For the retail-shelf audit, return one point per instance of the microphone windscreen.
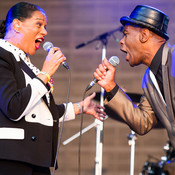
(114, 60)
(47, 46)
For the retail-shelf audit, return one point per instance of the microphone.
(114, 60)
(47, 46)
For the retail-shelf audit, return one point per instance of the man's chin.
(131, 65)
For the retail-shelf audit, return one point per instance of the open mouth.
(127, 55)
(38, 42)
(123, 51)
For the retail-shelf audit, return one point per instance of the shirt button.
(33, 115)
(33, 138)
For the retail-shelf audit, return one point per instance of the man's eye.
(124, 33)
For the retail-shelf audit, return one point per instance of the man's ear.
(16, 25)
(144, 35)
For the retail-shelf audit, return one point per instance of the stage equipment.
(103, 38)
(164, 166)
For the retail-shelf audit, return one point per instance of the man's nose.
(121, 41)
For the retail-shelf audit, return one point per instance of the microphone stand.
(99, 127)
(131, 141)
(102, 37)
(97, 123)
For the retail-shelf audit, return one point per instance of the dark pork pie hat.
(148, 17)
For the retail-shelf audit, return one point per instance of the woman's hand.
(53, 60)
(92, 108)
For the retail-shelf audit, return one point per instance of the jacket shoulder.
(7, 58)
(5, 54)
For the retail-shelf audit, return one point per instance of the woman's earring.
(17, 28)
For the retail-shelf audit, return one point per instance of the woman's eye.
(39, 24)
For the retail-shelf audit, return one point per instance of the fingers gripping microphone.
(47, 46)
(114, 60)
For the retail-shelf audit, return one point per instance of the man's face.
(131, 45)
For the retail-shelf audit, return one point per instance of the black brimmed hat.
(150, 18)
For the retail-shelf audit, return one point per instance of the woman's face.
(32, 32)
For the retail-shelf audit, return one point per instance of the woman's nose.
(44, 31)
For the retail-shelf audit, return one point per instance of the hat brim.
(127, 20)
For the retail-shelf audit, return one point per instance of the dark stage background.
(72, 22)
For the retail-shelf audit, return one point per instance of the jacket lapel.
(29, 72)
(157, 100)
(154, 81)
(26, 69)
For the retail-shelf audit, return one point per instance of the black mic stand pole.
(101, 37)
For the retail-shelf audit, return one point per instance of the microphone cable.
(62, 124)
(114, 61)
(79, 142)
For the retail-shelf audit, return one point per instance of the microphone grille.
(114, 60)
(47, 46)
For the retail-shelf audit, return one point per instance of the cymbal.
(135, 98)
